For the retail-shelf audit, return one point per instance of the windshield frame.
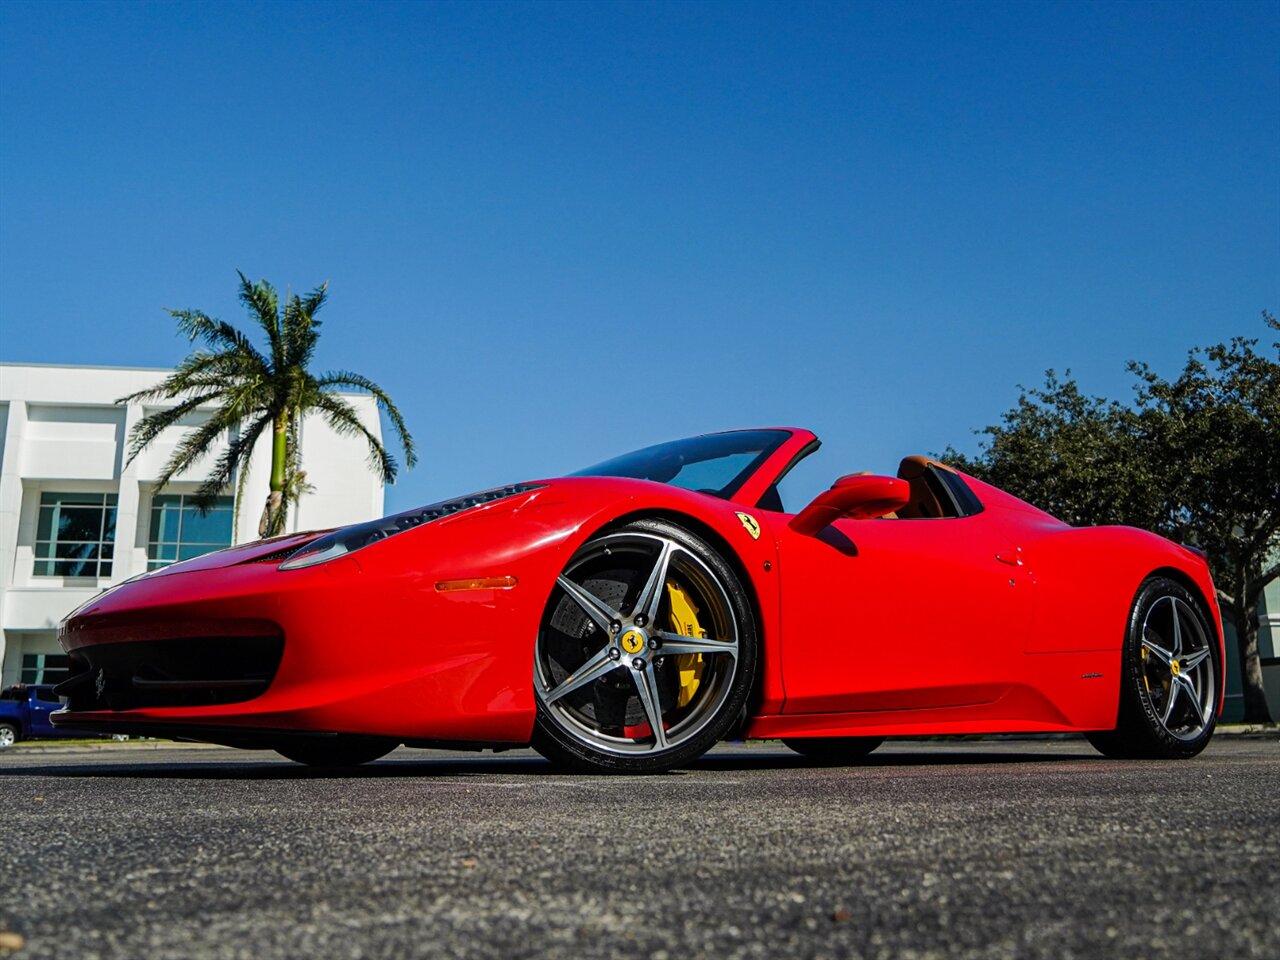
(630, 465)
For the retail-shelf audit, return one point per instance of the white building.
(75, 517)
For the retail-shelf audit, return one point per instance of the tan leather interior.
(924, 502)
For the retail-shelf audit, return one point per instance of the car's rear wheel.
(335, 751)
(8, 736)
(834, 750)
(1169, 679)
(645, 654)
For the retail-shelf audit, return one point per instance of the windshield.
(718, 463)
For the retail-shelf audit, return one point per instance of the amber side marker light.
(476, 583)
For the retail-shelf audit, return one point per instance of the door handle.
(1013, 556)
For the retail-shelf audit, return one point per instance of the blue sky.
(557, 232)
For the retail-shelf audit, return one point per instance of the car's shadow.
(221, 766)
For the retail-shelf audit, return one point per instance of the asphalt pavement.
(927, 850)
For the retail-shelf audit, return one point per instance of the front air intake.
(190, 672)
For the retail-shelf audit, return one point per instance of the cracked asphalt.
(968, 849)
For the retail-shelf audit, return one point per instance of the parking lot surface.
(985, 849)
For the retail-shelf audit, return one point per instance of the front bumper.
(245, 654)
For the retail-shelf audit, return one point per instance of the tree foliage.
(252, 391)
(1195, 458)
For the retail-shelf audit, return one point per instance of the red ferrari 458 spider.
(629, 616)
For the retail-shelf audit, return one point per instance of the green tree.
(253, 391)
(1196, 459)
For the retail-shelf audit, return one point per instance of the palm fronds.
(345, 378)
(249, 390)
(344, 420)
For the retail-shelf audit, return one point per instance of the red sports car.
(629, 616)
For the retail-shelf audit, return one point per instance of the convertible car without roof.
(627, 617)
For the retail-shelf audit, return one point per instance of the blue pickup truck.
(24, 714)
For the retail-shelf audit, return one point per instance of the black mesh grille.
(197, 671)
(276, 556)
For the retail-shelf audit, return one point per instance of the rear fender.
(1086, 579)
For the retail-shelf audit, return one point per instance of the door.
(43, 702)
(906, 614)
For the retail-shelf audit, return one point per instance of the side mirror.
(857, 497)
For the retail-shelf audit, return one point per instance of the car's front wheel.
(646, 652)
(1170, 671)
(8, 735)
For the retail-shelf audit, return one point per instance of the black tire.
(834, 750)
(9, 735)
(600, 677)
(1170, 676)
(336, 751)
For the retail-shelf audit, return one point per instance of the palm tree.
(254, 391)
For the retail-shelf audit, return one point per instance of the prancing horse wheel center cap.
(632, 641)
(1175, 667)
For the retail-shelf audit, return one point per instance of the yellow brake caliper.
(1146, 681)
(684, 620)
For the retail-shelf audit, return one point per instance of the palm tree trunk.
(273, 513)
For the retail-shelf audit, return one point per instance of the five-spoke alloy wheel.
(646, 652)
(1170, 675)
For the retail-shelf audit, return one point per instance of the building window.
(45, 668)
(75, 535)
(179, 531)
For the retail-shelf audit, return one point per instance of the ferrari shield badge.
(750, 524)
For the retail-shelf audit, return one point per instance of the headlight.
(350, 539)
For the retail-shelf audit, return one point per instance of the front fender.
(557, 522)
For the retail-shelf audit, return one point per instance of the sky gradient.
(557, 232)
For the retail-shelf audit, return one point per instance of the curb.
(28, 747)
(1249, 731)
(1235, 731)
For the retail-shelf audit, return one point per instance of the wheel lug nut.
(614, 653)
(615, 627)
(654, 643)
(641, 620)
(638, 664)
